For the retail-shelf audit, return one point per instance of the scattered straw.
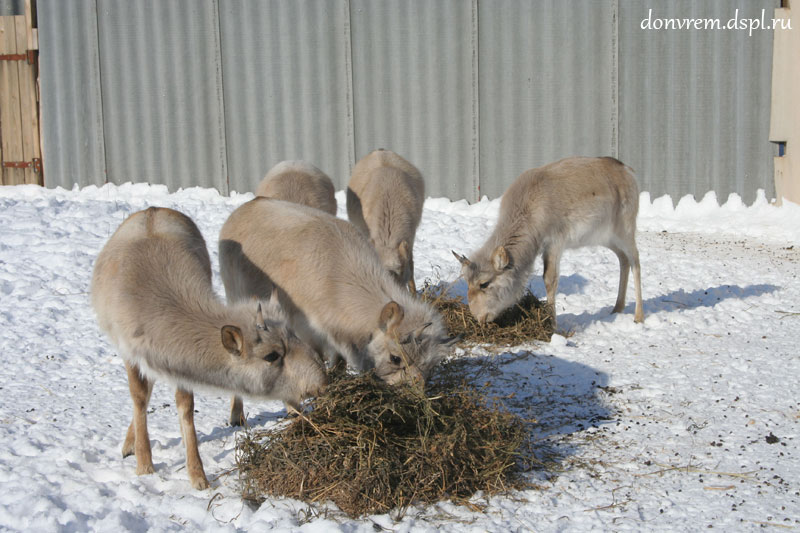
(693, 470)
(527, 320)
(370, 448)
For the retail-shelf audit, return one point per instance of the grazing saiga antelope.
(152, 293)
(301, 183)
(384, 201)
(338, 296)
(574, 202)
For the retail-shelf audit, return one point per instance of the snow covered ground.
(686, 422)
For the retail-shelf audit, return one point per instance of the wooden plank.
(28, 109)
(29, 45)
(3, 91)
(39, 135)
(34, 45)
(10, 117)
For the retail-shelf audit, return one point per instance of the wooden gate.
(21, 154)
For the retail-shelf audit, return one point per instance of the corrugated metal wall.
(73, 141)
(287, 87)
(545, 85)
(161, 83)
(12, 7)
(213, 93)
(694, 105)
(413, 88)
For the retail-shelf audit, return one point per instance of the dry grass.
(371, 448)
(527, 320)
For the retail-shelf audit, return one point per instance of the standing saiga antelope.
(574, 202)
(152, 293)
(384, 201)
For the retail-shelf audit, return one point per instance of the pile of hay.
(370, 448)
(525, 321)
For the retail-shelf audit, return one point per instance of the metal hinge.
(29, 56)
(35, 164)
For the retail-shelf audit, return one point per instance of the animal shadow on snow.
(560, 398)
(675, 301)
(259, 413)
(564, 398)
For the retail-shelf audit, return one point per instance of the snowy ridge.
(760, 219)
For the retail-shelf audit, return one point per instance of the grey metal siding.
(412, 87)
(213, 93)
(286, 87)
(72, 113)
(545, 85)
(694, 104)
(162, 92)
(12, 7)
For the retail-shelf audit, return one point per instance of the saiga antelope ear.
(232, 340)
(462, 259)
(500, 259)
(391, 316)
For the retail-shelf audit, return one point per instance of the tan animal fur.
(152, 293)
(338, 296)
(301, 183)
(574, 202)
(384, 201)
